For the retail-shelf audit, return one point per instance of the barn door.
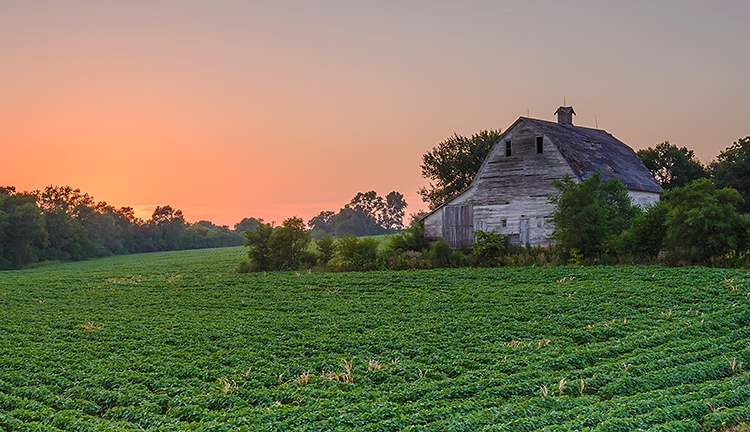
(458, 225)
(524, 231)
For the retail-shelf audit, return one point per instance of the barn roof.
(594, 150)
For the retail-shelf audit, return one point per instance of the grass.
(178, 341)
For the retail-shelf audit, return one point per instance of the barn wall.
(513, 188)
(643, 199)
(516, 188)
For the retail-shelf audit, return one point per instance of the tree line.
(61, 223)
(700, 219)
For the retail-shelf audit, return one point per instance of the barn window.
(508, 149)
(540, 144)
(539, 222)
(504, 223)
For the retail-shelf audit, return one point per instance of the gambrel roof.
(589, 150)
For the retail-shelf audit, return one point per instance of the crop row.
(177, 341)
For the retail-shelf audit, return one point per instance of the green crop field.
(178, 341)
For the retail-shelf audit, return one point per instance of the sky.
(272, 109)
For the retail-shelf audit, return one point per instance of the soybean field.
(177, 341)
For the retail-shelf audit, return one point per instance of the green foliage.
(259, 249)
(452, 164)
(22, 229)
(702, 223)
(177, 341)
(732, 169)
(392, 216)
(590, 215)
(441, 255)
(281, 248)
(672, 166)
(247, 224)
(325, 248)
(412, 239)
(367, 214)
(643, 241)
(355, 254)
(487, 249)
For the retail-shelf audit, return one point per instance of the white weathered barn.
(510, 192)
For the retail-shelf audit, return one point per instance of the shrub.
(325, 249)
(487, 249)
(354, 254)
(280, 248)
(440, 254)
(410, 240)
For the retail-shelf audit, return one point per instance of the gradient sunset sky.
(231, 109)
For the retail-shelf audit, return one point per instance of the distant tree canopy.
(732, 169)
(452, 164)
(672, 166)
(61, 223)
(366, 214)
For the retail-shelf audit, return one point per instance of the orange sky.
(272, 109)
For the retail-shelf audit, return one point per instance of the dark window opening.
(539, 144)
(504, 222)
(508, 149)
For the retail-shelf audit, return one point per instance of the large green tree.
(702, 223)
(278, 248)
(22, 231)
(732, 169)
(452, 164)
(672, 166)
(590, 215)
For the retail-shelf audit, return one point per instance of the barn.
(510, 191)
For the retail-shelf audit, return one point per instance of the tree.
(288, 245)
(702, 223)
(732, 169)
(452, 164)
(247, 224)
(672, 166)
(22, 230)
(356, 222)
(392, 215)
(165, 229)
(644, 239)
(590, 215)
(64, 198)
(68, 239)
(258, 247)
(369, 203)
(323, 222)
(366, 214)
(280, 248)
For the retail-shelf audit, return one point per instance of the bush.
(325, 249)
(440, 253)
(353, 254)
(487, 249)
(410, 240)
(280, 248)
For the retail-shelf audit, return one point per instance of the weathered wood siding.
(458, 225)
(643, 199)
(513, 189)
